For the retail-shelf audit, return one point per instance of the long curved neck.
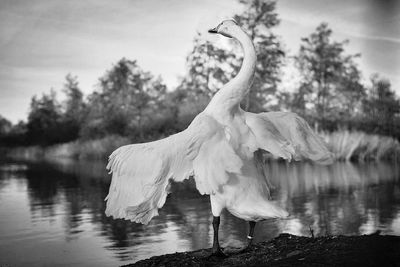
(244, 78)
(232, 93)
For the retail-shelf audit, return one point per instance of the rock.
(293, 253)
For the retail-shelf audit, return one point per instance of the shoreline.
(291, 250)
(349, 146)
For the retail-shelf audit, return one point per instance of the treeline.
(133, 103)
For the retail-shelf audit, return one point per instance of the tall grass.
(101, 148)
(346, 146)
(88, 149)
(360, 146)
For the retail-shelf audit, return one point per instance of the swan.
(222, 150)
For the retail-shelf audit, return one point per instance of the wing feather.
(287, 135)
(140, 177)
(267, 136)
(141, 173)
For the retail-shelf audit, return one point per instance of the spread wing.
(140, 178)
(141, 173)
(287, 135)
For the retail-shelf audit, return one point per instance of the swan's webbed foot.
(217, 252)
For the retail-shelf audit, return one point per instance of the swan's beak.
(213, 30)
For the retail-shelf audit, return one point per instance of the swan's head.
(226, 28)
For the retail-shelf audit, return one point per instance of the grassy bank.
(346, 146)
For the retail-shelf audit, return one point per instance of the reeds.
(101, 148)
(360, 146)
(346, 146)
(88, 149)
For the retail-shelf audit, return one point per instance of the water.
(52, 214)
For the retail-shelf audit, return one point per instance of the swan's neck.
(244, 78)
(232, 93)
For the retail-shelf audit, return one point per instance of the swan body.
(220, 149)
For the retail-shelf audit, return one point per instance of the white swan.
(220, 149)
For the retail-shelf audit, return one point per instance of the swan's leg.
(216, 249)
(252, 225)
(216, 208)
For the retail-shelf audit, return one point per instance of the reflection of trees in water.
(190, 212)
(335, 199)
(56, 193)
(45, 189)
(79, 189)
(341, 198)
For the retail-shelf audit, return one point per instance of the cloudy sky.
(43, 40)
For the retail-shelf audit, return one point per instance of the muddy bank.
(290, 250)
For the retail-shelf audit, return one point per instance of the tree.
(5, 129)
(350, 92)
(257, 20)
(330, 79)
(74, 108)
(205, 74)
(128, 101)
(207, 70)
(209, 66)
(44, 120)
(74, 103)
(381, 106)
(5, 126)
(12, 135)
(295, 101)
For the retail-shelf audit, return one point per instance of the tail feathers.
(258, 210)
(274, 211)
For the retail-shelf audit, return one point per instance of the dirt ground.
(290, 250)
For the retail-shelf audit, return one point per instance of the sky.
(42, 41)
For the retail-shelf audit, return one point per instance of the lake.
(52, 214)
